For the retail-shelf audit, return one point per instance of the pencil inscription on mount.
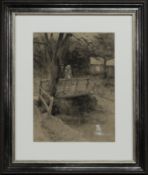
(74, 87)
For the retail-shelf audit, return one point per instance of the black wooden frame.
(7, 166)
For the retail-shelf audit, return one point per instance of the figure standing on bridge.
(68, 72)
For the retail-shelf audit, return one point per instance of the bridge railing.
(44, 95)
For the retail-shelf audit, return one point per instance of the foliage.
(71, 48)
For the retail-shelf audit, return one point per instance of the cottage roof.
(96, 61)
(110, 62)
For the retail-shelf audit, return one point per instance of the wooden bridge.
(74, 87)
(66, 88)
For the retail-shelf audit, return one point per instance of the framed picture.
(73, 87)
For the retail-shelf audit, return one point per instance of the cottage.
(110, 68)
(96, 66)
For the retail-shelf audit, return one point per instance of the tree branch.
(49, 50)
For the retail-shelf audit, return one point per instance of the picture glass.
(74, 88)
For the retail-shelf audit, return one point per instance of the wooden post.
(47, 107)
(50, 105)
(40, 91)
(45, 104)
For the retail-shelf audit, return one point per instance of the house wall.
(96, 69)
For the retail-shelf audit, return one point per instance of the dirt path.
(49, 128)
